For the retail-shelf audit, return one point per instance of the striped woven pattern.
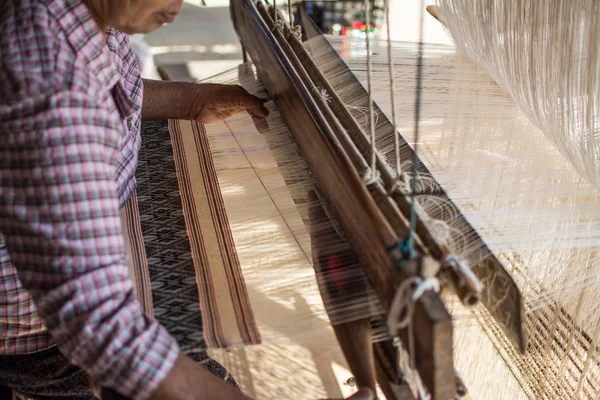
(182, 253)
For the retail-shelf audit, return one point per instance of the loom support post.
(429, 328)
(354, 337)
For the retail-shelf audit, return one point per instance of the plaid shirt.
(70, 103)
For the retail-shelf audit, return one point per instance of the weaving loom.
(317, 201)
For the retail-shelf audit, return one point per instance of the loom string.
(415, 161)
(373, 171)
(410, 245)
(392, 90)
(295, 30)
(407, 244)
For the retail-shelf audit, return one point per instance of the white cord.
(371, 177)
(392, 90)
(400, 317)
(408, 293)
(369, 86)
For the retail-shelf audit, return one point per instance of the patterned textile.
(178, 231)
(160, 264)
(70, 101)
(223, 292)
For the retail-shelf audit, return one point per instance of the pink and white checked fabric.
(70, 103)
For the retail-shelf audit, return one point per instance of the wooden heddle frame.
(373, 215)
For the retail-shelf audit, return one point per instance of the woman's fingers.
(251, 103)
(257, 107)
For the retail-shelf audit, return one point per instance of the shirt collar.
(81, 29)
(86, 38)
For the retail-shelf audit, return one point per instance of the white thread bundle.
(545, 55)
(521, 195)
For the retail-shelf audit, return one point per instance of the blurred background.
(202, 41)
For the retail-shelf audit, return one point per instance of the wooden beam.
(365, 227)
(389, 375)
(309, 28)
(433, 11)
(333, 260)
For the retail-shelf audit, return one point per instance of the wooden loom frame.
(290, 77)
(371, 221)
(509, 312)
(370, 226)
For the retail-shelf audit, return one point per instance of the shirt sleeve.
(59, 214)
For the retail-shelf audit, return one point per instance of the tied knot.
(371, 177)
(297, 32)
(324, 95)
(406, 248)
(401, 186)
(278, 25)
(409, 292)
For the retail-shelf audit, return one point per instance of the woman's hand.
(187, 381)
(202, 102)
(214, 102)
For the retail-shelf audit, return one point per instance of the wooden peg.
(466, 284)
(433, 11)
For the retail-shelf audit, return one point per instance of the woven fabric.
(182, 253)
(160, 264)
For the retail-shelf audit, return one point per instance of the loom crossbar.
(365, 226)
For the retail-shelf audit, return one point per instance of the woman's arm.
(203, 102)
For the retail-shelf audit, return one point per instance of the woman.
(71, 104)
